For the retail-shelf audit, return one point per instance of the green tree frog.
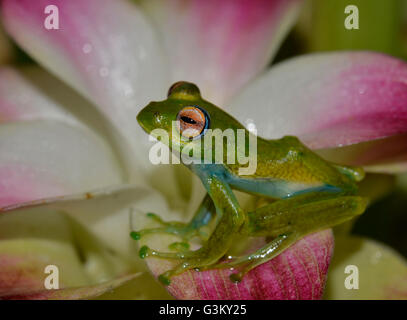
(307, 193)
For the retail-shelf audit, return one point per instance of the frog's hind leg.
(287, 221)
(247, 262)
(211, 251)
(194, 228)
(229, 220)
(355, 173)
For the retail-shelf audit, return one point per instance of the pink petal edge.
(331, 100)
(76, 293)
(298, 273)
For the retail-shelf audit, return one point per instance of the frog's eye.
(183, 89)
(174, 87)
(192, 122)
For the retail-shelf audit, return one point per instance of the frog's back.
(285, 167)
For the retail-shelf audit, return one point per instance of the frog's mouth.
(143, 126)
(145, 119)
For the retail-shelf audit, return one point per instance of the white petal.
(328, 100)
(41, 159)
(107, 51)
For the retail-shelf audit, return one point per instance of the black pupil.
(188, 120)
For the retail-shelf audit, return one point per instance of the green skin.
(308, 193)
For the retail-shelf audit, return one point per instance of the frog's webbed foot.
(198, 227)
(185, 231)
(210, 252)
(146, 251)
(200, 262)
(189, 260)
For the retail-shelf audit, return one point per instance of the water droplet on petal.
(87, 48)
(128, 90)
(103, 72)
(376, 257)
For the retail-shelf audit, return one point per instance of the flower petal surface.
(297, 273)
(379, 271)
(46, 149)
(221, 45)
(89, 292)
(104, 49)
(330, 100)
(95, 237)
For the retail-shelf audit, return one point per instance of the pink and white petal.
(387, 155)
(136, 289)
(79, 293)
(382, 271)
(329, 100)
(22, 100)
(47, 152)
(31, 240)
(298, 273)
(104, 49)
(42, 158)
(25, 273)
(221, 45)
(106, 213)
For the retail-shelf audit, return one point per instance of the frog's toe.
(165, 278)
(155, 217)
(179, 246)
(189, 260)
(194, 262)
(170, 229)
(145, 252)
(182, 230)
(240, 264)
(137, 235)
(242, 269)
(237, 277)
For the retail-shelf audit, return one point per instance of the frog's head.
(184, 117)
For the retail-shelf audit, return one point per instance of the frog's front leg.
(287, 221)
(194, 228)
(230, 220)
